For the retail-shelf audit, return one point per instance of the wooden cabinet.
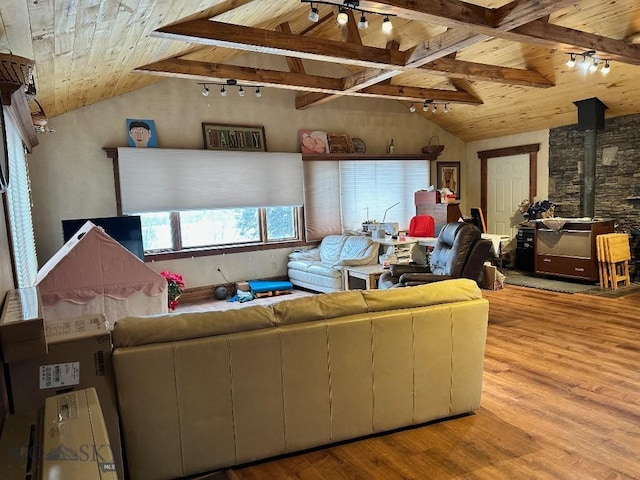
(571, 251)
(442, 213)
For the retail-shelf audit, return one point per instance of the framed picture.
(448, 177)
(234, 137)
(313, 141)
(142, 133)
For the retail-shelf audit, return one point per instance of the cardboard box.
(75, 443)
(423, 196)
(20, 446)
(79, 357)
(21, 325)
(243, 287)
(493, 278)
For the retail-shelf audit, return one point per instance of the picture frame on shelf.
(448, 176)
(248, 138)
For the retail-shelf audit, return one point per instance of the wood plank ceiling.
(499, 64)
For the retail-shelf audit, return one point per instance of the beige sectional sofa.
(199, 392)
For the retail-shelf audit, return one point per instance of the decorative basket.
(434, 149)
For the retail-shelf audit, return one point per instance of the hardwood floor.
(561, 400)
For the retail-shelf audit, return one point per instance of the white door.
(508, 185)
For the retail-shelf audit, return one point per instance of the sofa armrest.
(310, 254)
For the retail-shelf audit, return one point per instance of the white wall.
(72, 177)
(471, 168)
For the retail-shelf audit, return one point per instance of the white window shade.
(369, 188)
(156, 180)
(19, 206)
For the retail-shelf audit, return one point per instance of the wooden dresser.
(570, 252)
(442, 213)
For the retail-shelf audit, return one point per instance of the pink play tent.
(93, 273)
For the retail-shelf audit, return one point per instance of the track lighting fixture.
(342, 17)
(429, 104)
(224, 88)
(589, 62)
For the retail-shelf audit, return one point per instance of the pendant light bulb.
(314, 14)
(363, 23)
(342, 18)
(386, 25)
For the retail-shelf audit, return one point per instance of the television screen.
(125, 230)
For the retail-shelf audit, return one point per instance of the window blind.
(321, 199)
(19, 206)
(158, 180)
(369, 188)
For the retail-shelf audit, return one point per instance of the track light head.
(314, 14)
(434, 109)
(363, 23)
(258, 92)
(205, 90)
(412, 108)
(594, 65)
(446, 108)
(607, 68)
(386, 25)
(342, 17)
(241, 91)
(223, 91)
(425, 106)
(572, 60)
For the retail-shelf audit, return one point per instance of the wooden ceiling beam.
(480, 72)
(205, 71)
(400, 92)
(545, 33)
(216, 72)
(217, 34)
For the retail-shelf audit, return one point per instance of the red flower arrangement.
(175, 285)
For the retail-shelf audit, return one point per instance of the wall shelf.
(313, 157)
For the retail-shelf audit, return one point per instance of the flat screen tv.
(125, 230)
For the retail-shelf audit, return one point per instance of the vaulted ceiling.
(500, 65)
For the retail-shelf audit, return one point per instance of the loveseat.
(202, 391)
(320, 268)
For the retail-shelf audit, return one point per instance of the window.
(371, 189)
(197, 229)
(19, 206)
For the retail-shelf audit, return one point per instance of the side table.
(369, 273)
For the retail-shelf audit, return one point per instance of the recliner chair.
(459, 253)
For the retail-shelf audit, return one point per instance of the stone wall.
(617, 171)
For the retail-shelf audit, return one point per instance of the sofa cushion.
(170, 327)
(446, 291)
(358, 250)
(320, 307)
(330, 248)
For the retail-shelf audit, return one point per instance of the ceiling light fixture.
(224, 88)
(589, 61)
(429, 104)
(343, 17)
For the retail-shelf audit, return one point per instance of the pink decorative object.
(313, 141)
